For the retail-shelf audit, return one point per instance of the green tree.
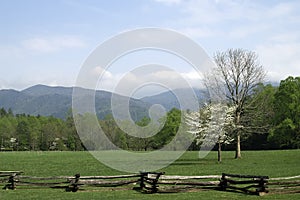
(34, 131)
(7, 131)
(3, 112)
(111, 130)
(8, 124)
(286, 132)
(10, 112)
(52, 133)
(23, 134)
(258, 116)
(169, 130)
(144, 143)
(73, 141)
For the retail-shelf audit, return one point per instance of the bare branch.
(239, 72)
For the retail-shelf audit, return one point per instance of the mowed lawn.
(270, 163)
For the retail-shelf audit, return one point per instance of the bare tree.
(236, 74)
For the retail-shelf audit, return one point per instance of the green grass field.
(270, 163)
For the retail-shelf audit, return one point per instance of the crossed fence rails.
(152, 182)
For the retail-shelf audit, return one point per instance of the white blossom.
(212, 124)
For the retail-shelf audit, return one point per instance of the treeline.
(273, 116)
(271, 120)
(25, 132)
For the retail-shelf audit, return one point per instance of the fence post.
(155, 181)
(261, 190)
(223, 182)
(11, 182)
(142, 184)
(74, 184)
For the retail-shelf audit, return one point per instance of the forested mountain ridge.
(57, 101)
(169, 99)
(271, 121)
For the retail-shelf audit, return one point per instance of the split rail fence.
(152, 182)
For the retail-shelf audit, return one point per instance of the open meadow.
(43, 164)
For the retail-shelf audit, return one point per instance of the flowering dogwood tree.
(212, 125)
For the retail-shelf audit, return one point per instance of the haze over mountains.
(57, 101)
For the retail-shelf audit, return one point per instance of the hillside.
(168, 99)
(57, 101)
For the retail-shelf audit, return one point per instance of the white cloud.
(100, 72)
(3, 84)
(281, 9)
(245, 31)
(199, 32)
(85, 6)
(271, 28)
(9, 51)
(209, 12)
(192, 75)
(169, 2)
(52, 44)
(23, 68)
(280, 59)
(242, 19)
(287, 37)
(25, 81)
(148, 83)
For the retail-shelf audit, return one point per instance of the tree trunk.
(219, 152)
(238, 137)
(238, 146)
(239, 71)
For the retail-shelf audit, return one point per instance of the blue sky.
(46, 42)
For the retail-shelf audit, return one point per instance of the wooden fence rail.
(237, 182)
(70, 183)
(187, 183)
(151, 182)
(281, 185)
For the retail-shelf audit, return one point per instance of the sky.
(47, 42)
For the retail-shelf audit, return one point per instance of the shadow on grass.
(185, 189)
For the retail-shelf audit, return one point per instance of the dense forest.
(271, 119)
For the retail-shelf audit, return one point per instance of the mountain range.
(57, 101)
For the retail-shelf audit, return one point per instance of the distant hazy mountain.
(57, 101)
(169, 100)
(41, 90)
(273, 83)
